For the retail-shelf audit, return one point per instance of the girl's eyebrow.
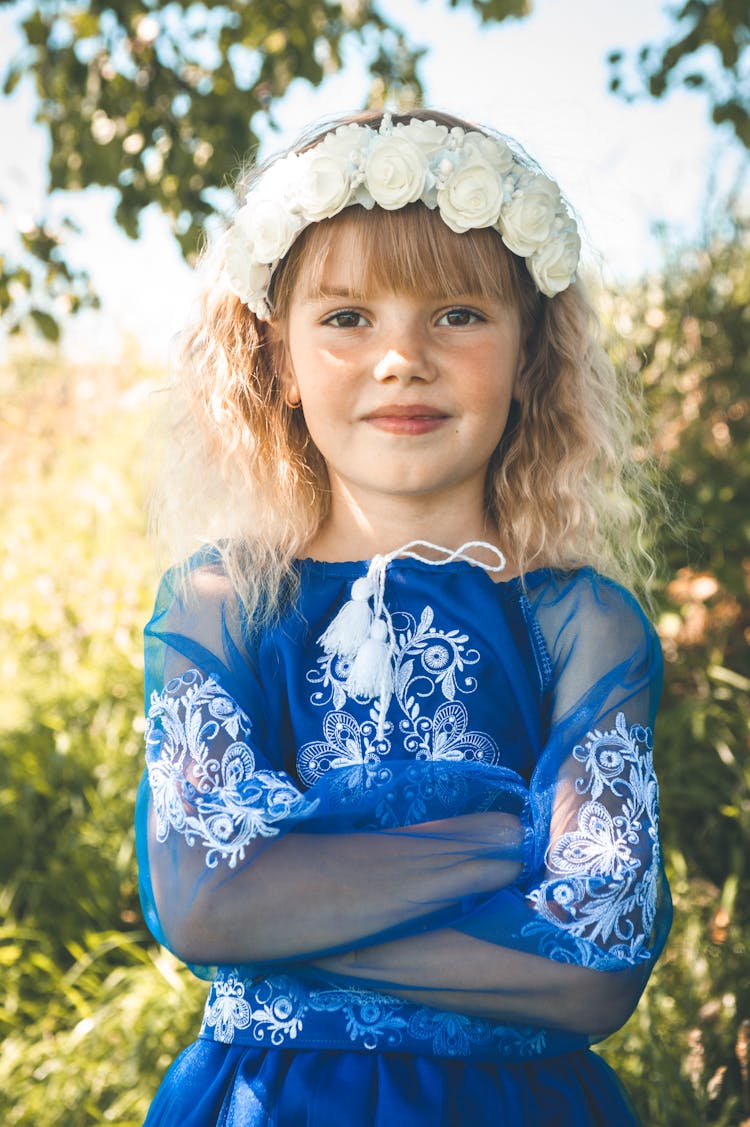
(351, 293)
(337, 291)
(326, 293)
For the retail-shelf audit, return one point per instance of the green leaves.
(497, 9)
(688, 333)
(709, 53)
(40, 288)
(91, 1012)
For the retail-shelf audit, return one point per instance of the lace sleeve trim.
(203, 775)
(603, 874)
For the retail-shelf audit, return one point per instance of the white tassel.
(364, 635)
(350, 628)
(371, 673)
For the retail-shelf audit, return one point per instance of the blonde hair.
(240, 471)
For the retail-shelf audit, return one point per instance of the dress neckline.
(353, 569)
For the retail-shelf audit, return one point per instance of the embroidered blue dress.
(414, 910)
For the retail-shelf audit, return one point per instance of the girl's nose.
(405, 360)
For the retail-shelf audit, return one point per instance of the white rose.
(395, 172)
(527, 220)
(347, 142)
(266, 227)
(493, 150)
(471, 197)
(323, 185)
(426, 135)
(554, 266)
(247, 277)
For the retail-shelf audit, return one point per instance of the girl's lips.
(409, 418)
(407, 424)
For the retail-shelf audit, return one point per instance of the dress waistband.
(282, 1011)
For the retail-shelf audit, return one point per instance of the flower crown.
(473, 180)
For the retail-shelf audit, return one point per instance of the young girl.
(400, 805)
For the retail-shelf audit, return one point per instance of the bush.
(92, 1012)
(685, 1052)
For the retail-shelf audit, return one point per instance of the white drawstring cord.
(366, 636)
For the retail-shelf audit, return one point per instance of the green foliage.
(37, 289)
(709, 53)
(92, 1011)
(688, 332)
(159, 103)
(498, 9)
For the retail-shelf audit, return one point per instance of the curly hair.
(240, 472)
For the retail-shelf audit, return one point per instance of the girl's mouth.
(416, 418)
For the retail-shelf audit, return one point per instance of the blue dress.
(417, 906)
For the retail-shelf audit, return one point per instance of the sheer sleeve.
(237, 863)
(571, 942)
(598, 891)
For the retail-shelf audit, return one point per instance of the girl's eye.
(345, 319)
(458, 317)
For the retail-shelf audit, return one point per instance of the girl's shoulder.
(196, 602)
(590, 621)
(199, 578)
(580, 591)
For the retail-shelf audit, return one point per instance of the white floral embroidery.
(451, 1034)
(598, 848)
(446, 736)
(347, 744)
(528, 1040)
(604, 873)
(202, 772)
(370, 1018)
(427, 662)
(281, 1009)
(228, 1010)
(280, 1012)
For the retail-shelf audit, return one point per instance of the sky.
(627, 168)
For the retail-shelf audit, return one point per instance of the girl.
(400, 805)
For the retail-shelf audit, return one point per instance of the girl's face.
(405, 395)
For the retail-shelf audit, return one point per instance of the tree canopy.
(159, 102)
(709, 52)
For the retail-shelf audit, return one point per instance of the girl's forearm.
(307, 893)
(447, 970)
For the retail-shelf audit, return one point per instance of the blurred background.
(121, 129)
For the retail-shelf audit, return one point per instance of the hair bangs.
(408, 251)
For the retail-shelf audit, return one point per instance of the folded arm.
(555, 922)
(448, 970)
(237, 868)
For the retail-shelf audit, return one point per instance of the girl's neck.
(349, 533)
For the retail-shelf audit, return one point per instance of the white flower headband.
(474, 181)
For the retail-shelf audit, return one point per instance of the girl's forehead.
(364, 253)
